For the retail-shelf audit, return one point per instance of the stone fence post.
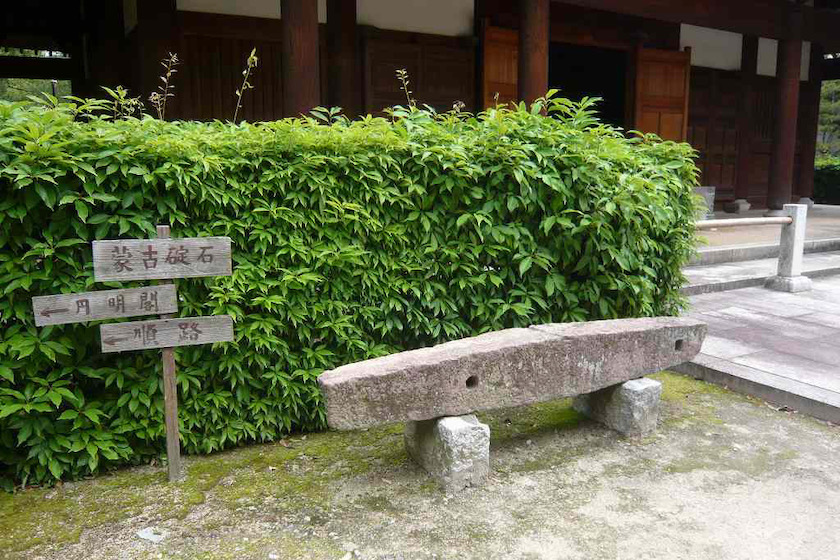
(789, 276)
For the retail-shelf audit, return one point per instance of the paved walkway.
(782, 347)
(823, 222)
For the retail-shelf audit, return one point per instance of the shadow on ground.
(725, 477)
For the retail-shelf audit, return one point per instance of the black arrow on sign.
(113, 340)
(48, 312)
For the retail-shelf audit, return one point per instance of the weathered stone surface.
(455, 450)
(631, 408)
(738, 206)
(793, 284)
(512, 367)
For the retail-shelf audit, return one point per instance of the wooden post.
(788, 68)
(810, 126)
(533, 49)
(301, 65)
(170, 395)
(342, 41)
(749, 65)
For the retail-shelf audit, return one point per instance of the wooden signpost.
(106, 304)
(161, 258)
(148, 259)
(165, 333)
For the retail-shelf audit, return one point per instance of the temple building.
(738, 79)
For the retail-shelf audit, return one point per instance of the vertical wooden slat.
(216, 78)
(231, 66)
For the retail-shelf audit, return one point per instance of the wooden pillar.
(301, 65)
(810, 125)
(533, 49)
(788, 68)
(749, 66)
(343, 57)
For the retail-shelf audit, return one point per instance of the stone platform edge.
(751, 282)
(780, 391)
(753, 252)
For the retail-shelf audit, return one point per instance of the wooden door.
(661, 92)
(500, 65)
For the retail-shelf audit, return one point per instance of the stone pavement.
(782, 347)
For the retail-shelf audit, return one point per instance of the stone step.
(751, 252)
(748, 274)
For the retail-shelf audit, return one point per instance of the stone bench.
(436, 390)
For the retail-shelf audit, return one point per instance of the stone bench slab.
(507, 368)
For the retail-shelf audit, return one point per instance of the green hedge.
(827, 181)
(351, 240)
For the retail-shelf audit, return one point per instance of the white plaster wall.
(440, 17)
(254, 8)
(768, 51)
(712, 48)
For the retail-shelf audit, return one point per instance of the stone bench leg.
(455, 450)
(631, 408)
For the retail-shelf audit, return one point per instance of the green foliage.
(20, 89)
(828, 137)
(827, 180)
(351, 240)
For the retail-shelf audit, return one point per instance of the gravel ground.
(724, 477)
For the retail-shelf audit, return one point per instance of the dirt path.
(725, 477)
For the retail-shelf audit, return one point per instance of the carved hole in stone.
(678, 345)
(472, 381)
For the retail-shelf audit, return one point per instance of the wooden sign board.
(152, 259)
(60, 309)
(165, 333)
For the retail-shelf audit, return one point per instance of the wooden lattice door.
(661, 92)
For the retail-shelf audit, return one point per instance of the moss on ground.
(302, 474)
(293, 474)
(514, 425)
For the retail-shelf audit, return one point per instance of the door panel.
(500, 65)
(662, 80)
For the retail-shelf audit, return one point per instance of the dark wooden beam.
(533, 49)
(763, 18)
(225, 26)
(301, 66)
(42, 68)
(809, 124)
(343, 57)
(788, 70)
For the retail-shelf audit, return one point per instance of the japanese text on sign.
(147, 259)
